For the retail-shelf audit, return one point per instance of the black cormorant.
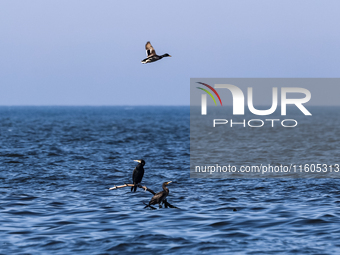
(159, 197)
(151, 54)
(137, 174)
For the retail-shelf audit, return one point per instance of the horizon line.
(196, 105)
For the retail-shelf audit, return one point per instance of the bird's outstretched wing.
(150, 51)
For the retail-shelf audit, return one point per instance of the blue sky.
(89, 52)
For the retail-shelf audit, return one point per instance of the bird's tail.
(134, 188)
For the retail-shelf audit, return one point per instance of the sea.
(58, 163)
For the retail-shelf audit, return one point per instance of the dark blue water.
(57, 163)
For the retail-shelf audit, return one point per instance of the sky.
(89, 52)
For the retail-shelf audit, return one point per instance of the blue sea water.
(57, 163)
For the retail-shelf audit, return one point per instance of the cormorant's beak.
(137, 160)
(168, 182)
(169, 55)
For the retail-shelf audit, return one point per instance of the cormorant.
(159, 197)
(137, 174)
(151, 54)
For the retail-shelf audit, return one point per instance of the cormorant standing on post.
(151, 54)
(159, 197)
(137, 174)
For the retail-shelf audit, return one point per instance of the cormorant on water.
(151, 54)
(159, 197)
(137, 174)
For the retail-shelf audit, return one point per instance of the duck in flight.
(151, 54)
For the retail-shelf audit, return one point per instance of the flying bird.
(137, 174)
(159, 197)
(151, 54)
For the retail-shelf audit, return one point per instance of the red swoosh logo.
(212, 90)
